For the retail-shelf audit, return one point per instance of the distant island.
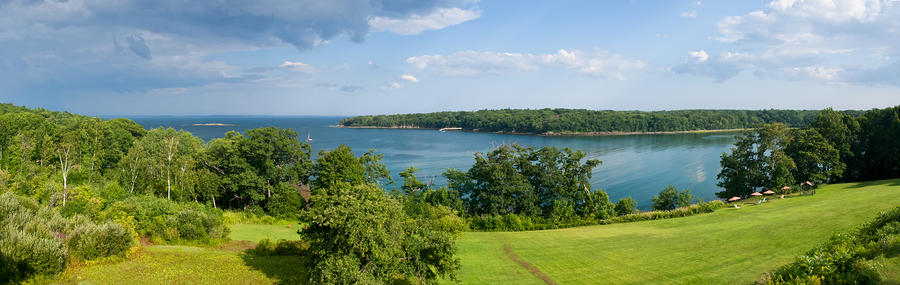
(580, 122)
(213, 125)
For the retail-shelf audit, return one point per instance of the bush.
(705, 207)
(282, 247)
(91, 242)
(37, 240)
(165, 221)
(513, 222)
(25, 254)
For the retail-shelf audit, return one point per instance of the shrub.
(165, 221)
(24, 254)
(91, 242)
(705, 207)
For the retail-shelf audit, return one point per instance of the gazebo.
(769, 192)
(785, 188)
(735, 198)
(755, 194)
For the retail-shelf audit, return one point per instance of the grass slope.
(728, 246)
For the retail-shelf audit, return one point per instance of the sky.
(352, 57)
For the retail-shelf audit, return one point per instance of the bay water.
(636, 166)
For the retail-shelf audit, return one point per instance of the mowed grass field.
(255, 233)
(729, 246)
(190, 265)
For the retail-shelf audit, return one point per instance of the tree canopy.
(545, 121)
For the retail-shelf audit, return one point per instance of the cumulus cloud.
(835, 41)
(699, 56)
(599, 64)
(416, 24)
(409, 78)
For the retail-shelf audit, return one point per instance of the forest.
(571, 121)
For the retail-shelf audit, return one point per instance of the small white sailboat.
(307, 138)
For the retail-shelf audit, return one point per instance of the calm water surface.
(638, 166)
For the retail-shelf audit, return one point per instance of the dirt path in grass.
(534, 270)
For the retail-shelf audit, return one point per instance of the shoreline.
(555, 134)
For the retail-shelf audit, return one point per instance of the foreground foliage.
(357, 234)
(37, 240)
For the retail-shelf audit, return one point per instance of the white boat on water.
(450, 129)
(307, 138)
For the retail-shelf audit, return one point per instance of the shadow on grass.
(888, 182)
(282, 269)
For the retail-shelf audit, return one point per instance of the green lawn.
(728, 246)
(254, 233)
(190, 265)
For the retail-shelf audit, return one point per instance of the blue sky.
(346, 57)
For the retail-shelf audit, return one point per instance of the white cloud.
(409, 78)
(699, 56)
(689, 14)
(416, 24)
(468, 63)
(392, 86)
(298, 66)
(834, 41)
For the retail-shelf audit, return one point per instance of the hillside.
(728, 246)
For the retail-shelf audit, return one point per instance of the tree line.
(835, 147)
(584, 121)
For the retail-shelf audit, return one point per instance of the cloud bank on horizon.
(354, 57)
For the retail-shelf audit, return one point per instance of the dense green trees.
(835, 147)
(671, 198)
(546, 182)
(359, 235)
(263, 169)
(626, 206)
(515, 188)
(571, 121)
